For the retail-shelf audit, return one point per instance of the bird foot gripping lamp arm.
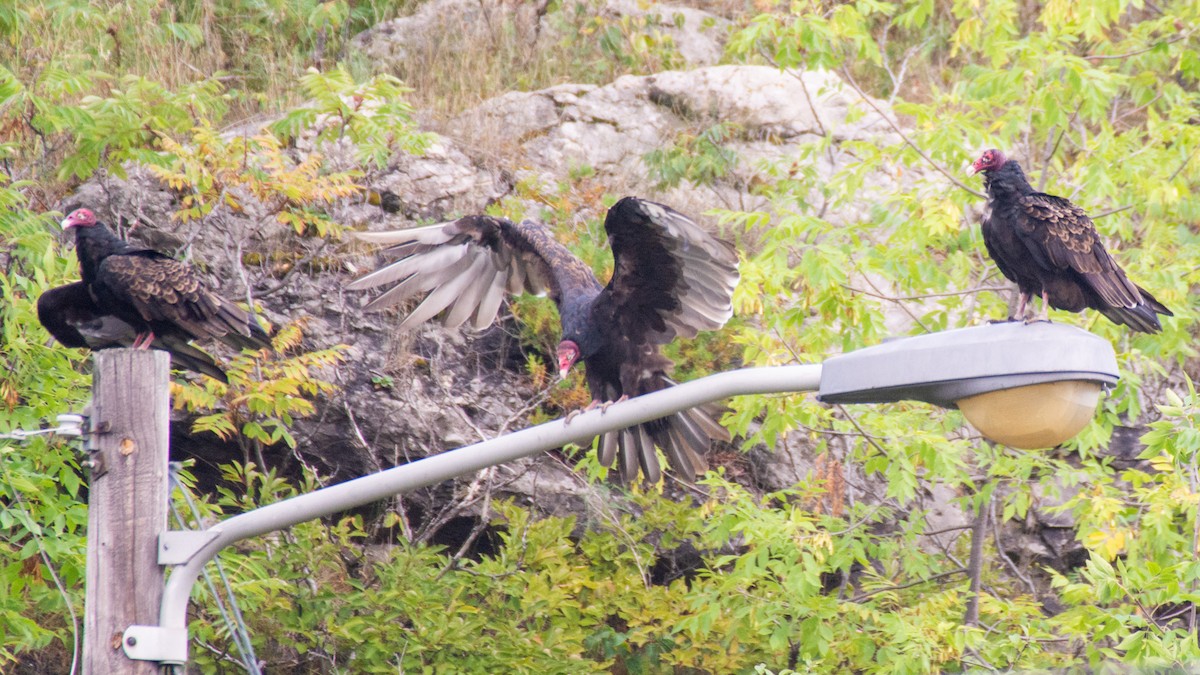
(943, 368)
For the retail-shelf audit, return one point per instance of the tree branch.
(975, 565)
(1061, 134)
(863, 596)
(853, 83)
(1104, 57)
(899, 298)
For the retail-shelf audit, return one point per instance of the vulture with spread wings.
(670, 279)
(1049, 247)
(138, 297)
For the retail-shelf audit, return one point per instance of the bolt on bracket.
(177, 547)
(168, 646)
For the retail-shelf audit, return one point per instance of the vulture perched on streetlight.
(671, 279)
(140, 298)
(1050, 247)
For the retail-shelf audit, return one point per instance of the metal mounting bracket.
(177, 547)
(168, 646)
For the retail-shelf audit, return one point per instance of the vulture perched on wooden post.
(1050, 247)
(670, 279)
(140, 298)
(75, 320)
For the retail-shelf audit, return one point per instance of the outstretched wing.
(1062, 237)
(166, 291)
(468, 265)
(670, 277)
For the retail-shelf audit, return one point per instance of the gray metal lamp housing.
(1026, 385)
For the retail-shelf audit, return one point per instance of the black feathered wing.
(71, 315)
(670, 279)
(466, 267)
(168, 296)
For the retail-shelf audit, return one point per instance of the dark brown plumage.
(71, 315)
(1049, 247)
(162, 300)
(671, 279)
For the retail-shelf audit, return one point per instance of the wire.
(30, 527)
(236, 626)
(68, 425)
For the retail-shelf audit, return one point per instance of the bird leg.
(579, 411)
(608, 404)
(1044, 315)
(143, 340)
(603, 405)
(1021, 306)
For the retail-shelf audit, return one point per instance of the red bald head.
(989, 160)
(568, 354)
(79, 218)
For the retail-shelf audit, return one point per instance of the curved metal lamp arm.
(167, 643)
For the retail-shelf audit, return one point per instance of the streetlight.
(1028, 386)
(1000, 375)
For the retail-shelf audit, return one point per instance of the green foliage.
(1095, 104)
(373, 116)
(265, 394)
(701, 159)
(837, 573)
(40, 481)
(221, 175)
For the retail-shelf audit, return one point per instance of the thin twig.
(803, 87)
(1012, 567)
(1182, 165)
(942, 575)
(1061, 134)
(898, 298)
(944, 530)
(1105, 57)
(899, 303)
(895, 127)
(1112, 211)
(869, 437)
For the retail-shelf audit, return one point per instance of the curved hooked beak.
(568, 354)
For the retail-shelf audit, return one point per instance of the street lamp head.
(1027, 386)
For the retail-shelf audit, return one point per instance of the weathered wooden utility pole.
(127, 504)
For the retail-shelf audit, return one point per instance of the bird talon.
(579, 411)
(608, 404)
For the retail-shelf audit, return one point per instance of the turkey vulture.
(671, 279)
(162, 300)
(1050, 247)
(74, 319)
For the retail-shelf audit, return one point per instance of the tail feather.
(1142, 317)
(646, 457)
(627, 458)
(684, 451)
(705, 417)
(240, 330)
(1154, 304)
(609, 444)
(684, 437)
(189, 357)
